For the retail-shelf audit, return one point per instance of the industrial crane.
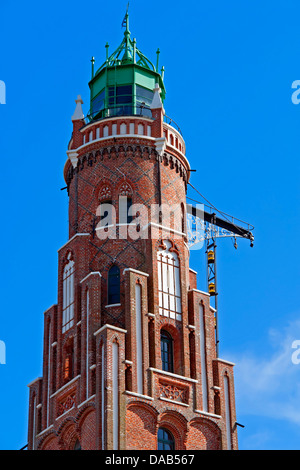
(205, 223)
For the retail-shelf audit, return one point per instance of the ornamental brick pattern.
(103, 386)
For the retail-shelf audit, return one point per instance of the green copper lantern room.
(124, 84)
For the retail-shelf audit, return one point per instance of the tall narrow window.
(169, 282)
(139, 338)
(166, 345)
(77, 445)
(115, 394)
(68, 295)
(227, 411)
(113, 285)
(125, 204)
(106, 214)
(69, 362)
(165, 440)
(203, 357)
(87, 341)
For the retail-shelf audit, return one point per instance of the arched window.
(69, 361)
(77, 445)
(166, 347)
(169, 281)
(165, 440)
(113, 290)
(68, 295)
(125, 203)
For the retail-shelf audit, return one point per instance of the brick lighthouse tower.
(129, 358)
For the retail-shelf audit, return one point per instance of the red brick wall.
(66, 413)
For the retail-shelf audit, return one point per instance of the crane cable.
(211, 205)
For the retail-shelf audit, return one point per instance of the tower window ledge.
(60, 416)
(86, 401)
(138, 395)
(212, 415)
(113, 305)
(200, 292)
(191, 327)
(174, 401)
(171, 374)
(65, 386)
(45, 430)
(151, 315)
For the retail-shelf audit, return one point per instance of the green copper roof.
(127, 52)
(126, 67)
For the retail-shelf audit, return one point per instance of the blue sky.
(229, 67)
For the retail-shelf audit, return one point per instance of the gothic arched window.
(165, 440)
(125, 203)
(77, 445)
(68, 294)
(113, 290)
(169, 281)
(166, 347)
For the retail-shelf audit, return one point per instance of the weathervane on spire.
(125, 20)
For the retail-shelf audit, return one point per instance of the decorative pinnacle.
(78, 113)
(157, 59)
(93, 63)
(156, 102)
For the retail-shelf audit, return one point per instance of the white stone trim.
(86, 401)
(115, 328)
(174, 402)
(117, 136)
(171, 374)
(58, 417)
(200, 292)
(138, 395)
(45, 430)
(211, 415)
(90, 274)
(65, 386)
(167, 229)
(74, 236)
(112, 305)
(35, 380)
(117, 118)
(135, 271)
(193, 271)
(224, 362)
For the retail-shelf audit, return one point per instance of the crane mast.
(205, 226)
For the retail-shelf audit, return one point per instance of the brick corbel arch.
(177, 424)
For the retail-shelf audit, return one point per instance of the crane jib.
(213, 219)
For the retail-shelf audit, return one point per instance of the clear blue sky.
(229, 69)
